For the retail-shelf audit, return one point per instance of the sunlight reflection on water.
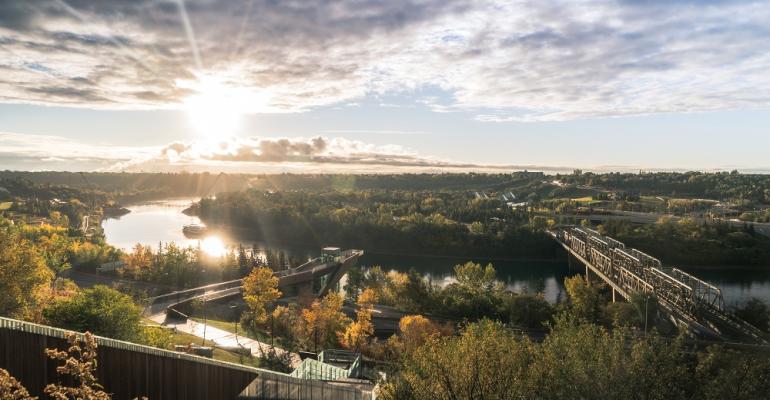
(213, 246)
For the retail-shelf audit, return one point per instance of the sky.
(384, 86)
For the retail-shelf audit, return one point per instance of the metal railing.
(267, 384)
(631, 270)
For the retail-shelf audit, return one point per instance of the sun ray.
(188, 30)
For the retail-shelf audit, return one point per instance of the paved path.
(222, 338)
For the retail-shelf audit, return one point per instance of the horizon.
(408, 86)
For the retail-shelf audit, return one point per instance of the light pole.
(646, 298)
(234, 307)
(205, 321)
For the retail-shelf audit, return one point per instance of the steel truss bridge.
(689, 302)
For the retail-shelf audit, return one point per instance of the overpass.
(690, 303)
(314, 278)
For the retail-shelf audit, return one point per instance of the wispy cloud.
(41, 152)
(501, 60)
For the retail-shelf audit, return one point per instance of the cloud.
(260, 155)
(46, 152)
(256, 152)
(499, 60)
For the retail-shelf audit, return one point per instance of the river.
(150, 223)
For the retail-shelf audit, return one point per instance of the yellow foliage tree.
(260, 288)
(358, 333)
(325, 321)
(25, 281)
(416, 330)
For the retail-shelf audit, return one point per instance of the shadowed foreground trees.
(576, 361)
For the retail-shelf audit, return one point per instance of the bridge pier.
(613, 294)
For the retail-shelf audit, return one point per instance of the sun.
(215, 110)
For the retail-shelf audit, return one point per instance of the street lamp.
(646, 298)
(234, 307)
(205, 320)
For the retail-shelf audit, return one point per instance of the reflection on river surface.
(161, 221)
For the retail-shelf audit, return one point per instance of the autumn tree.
(78, 364)
(325, 322)
(11, 389)
(358, 332)
(415, 330)
(584, 298)
(260, 288)
(484, 362)
(25, 281)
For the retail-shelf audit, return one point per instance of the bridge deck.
(306, 273)
(687, 299)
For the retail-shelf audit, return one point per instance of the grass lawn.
(5, 205)
(181, 338)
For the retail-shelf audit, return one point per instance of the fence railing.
(267, 384)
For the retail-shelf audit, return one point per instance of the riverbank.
(161, 221)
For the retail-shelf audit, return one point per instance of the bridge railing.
(632, 270)
(705, 291)
(195, 291)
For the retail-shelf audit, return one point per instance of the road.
(651, 218)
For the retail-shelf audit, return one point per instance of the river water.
(150, 223)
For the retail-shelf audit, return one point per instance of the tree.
(11, 389)
(260, 288)
(101, 310)
(484, 362)
(353, 285)
(584, 298)
(530, 311)
(415, 330)
(357, 333)
(325, 322)
(25, 281)
(475, 278)
(475, 294)
(79, 364)
(755, 312)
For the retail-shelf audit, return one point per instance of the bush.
(101, 310)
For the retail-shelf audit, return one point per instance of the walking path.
(223, 338)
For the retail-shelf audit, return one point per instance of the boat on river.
(194, 230)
